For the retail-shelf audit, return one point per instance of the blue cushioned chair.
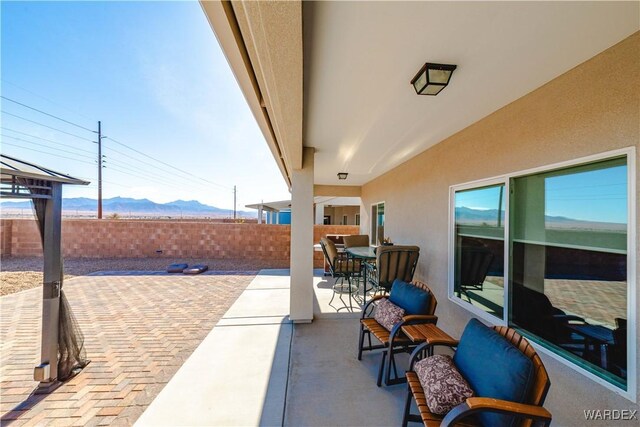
(509, 381)
(395, 341)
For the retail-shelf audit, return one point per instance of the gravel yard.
(18, 274)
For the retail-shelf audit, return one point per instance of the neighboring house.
(327, 211)
(529, 155)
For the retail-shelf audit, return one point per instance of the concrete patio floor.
(257, 368)
(139, 327)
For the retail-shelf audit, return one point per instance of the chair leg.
(381, 369)
(361, 342)
(407, 408)
(390, 362)
(350, 293)
(393, 363)
(334, 292)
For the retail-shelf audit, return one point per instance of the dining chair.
(356, 240)
(341, 268)
(393, 262)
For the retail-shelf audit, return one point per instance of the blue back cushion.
(495, 368)
(411, 298)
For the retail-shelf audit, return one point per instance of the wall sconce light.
(432, 78)
(342, 175)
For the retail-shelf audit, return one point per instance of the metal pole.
(234, 202)
(99, 170)
(47, 372)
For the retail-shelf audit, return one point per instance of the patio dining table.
(363, 253)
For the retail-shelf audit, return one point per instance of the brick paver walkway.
(139, 329)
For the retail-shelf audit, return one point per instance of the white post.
(301, 298)
(260, 215)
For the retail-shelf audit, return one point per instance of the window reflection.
(479, 248)
(569, 262)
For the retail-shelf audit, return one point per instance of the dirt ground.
(18, 274)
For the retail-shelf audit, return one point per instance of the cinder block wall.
(84, 238)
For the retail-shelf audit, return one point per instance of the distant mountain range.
(126, 206)
(489, 216)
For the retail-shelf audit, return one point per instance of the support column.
(320, 213)
(301, 299)
(48, 370)
(260, 215)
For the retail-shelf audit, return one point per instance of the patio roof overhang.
(263, 43)
(281, 205)
(360, 112)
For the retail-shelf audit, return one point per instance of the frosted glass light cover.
(439, 76)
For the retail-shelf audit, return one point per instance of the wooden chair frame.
(395, 341)
(531, 413)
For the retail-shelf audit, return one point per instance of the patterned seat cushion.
(388, 314)
(444, 387)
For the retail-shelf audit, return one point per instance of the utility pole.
(234, 202)
(100, 170)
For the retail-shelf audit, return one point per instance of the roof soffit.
(272, 33)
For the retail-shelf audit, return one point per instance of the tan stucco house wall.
(593, 108)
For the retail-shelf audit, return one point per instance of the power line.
(47, 114)
(46, 140)
(41, 124)
(147, 177)
(119, 162)
(173, 170)
(45, 152)
(46, 146)
(46, 99)
(167, 164)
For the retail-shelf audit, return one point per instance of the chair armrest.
(413, 319)
(480, 404)
(371, 301)
(417, 353)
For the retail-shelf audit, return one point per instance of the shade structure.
(62, 350)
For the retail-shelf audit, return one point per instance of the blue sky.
(155, 76)
(592, 195)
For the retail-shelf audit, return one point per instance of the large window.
(548, 253)
(377, 223)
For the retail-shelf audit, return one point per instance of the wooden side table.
(429, 333)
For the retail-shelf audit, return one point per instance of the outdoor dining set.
(494, 378)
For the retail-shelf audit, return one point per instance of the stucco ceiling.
(362, 115)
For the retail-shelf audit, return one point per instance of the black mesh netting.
(72, 356)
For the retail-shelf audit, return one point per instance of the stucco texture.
(591, 109)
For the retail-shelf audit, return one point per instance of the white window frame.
(630, 152)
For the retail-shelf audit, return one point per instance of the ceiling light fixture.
(342, 175)
(432, 78)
